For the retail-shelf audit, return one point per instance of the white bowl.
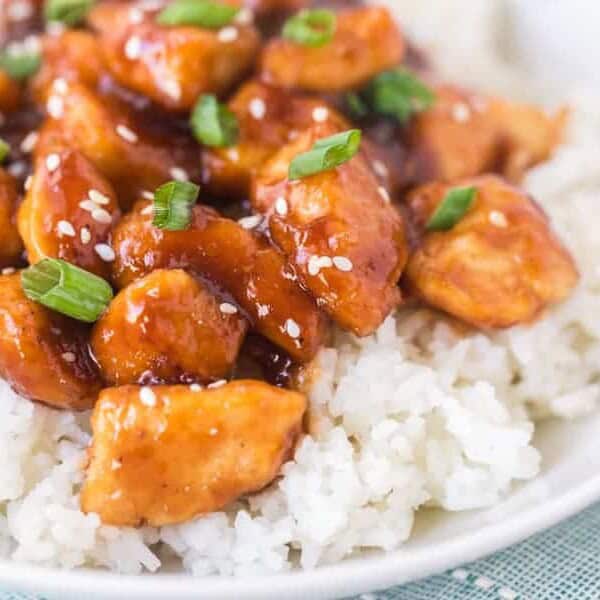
(569, 482)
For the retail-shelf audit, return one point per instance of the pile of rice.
(418, 414)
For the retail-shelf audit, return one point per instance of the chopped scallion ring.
(69, 12)
(67, 289)
(326, 154)
(19, 64)
(452, 209)
(214, 124)
(313, 28)
(201, 13)
(173, 203)
(4, 150)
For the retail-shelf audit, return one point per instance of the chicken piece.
(43, 355)
(69, 212)
(339, 231)
(72, 56)
(180, 332)
(499, 266)
(366, 42)
(10, 93)
(11, 246)
(233, 258)
(126, 151)
(464, 135)
(268, 118)
(165, 454)
(172, 65)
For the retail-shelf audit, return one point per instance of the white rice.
(415, 415)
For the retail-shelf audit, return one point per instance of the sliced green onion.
(69, 12)
(398, 94)
(313, 28)
(19, 64)
(326, 154)
(4, 150)
(173, 203)
(452, 209)
(201, 13)
(67, 289)
(213, 123)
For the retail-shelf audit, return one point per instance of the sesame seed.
(133, 47)
(217, 384)
(52, 162)
(28, 182)
(461, 113)
(98, 197)
(8, 270)
(101, 216)
(281, 207)
(341, 263)
(263, 310)
(227, 308)
(320, 114)
(244, 17)
(69, 357)
(292, 328)
(115, 464)
(136, 16)
(227, 34)
(316, 263)
(126, 133)
(85, 236)
(250, 222)
(147, 195)
(498, 219)
(172, 88)
(105, 252)
(17, 169)
(88, 205)
(257, 108)
(147, 210)
(213, 431)
(179, 174)
(29, 142)
(65, 228)
(55, 107)
(60, 85)
(147, 396)
(384, 194)
(116, 495)
(380, 168)
(196, 387)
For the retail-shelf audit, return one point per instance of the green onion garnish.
(201, 13)
(69, 12)
(326, 154)
(398, 94)
(67, 289)
(173, 203)
(313, 28)
(452, 209)
(213, 124)
(19, 64)
(4, 150)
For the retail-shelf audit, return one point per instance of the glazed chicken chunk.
(11, 246)
(465, 134)
(268, 119)
(172, 65)
(165, 454)
(178, 330)
(499, 266)
(123, 147)
(68, 213)
(339, 231)
(43, 355)
(10, 93)
(366, 42)
(233, 258)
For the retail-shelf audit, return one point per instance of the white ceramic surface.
(570, 480)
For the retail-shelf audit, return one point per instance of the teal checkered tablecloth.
(562, 563)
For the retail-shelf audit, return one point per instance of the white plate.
(570, 481)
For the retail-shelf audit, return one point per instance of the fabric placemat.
(562, 563)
